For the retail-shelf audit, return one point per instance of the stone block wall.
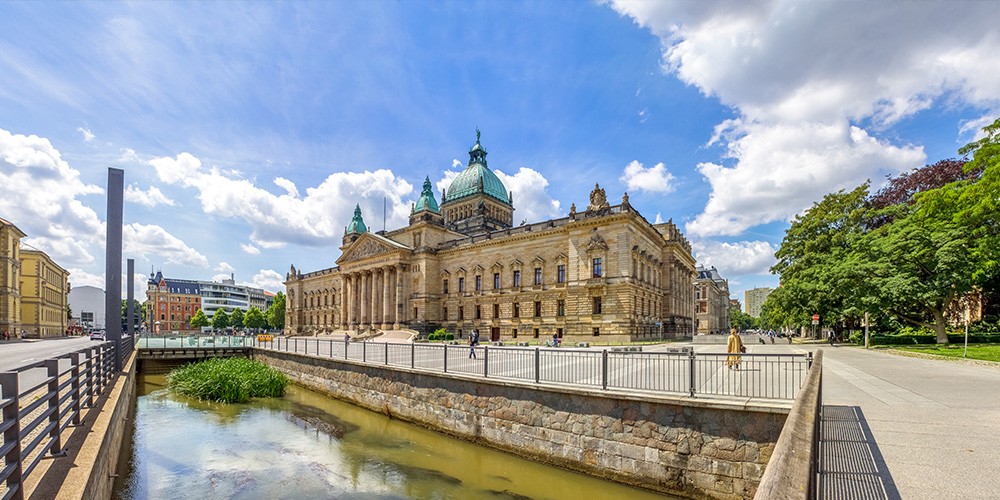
(683, 446)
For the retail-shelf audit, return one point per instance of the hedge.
(980, 338)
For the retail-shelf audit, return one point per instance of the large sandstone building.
(601, 272)
(33, 289)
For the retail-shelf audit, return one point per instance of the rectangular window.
(597, 332)
(538, 308)
(496, 310)
(513, 333)
(559, 332)
(444, 313)
(561, 273)
(479, 312)
(479, 283)
(444, 286)
(538, 276)
(598, 270)
(517, 279)
(560, 308)
(536, 333)
(597, 305)
(517, 310)
(461, 312)
(461, 285)
(496, 281)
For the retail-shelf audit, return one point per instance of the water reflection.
(306, 445)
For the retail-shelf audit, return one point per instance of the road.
(22, 352)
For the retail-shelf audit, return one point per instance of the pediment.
(368, 246)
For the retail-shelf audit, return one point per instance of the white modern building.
(87, 305)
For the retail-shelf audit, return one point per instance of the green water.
(306, 445)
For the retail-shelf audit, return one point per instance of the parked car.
(98, 335)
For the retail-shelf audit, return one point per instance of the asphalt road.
(16, 353)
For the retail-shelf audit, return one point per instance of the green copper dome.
(477, 178)
(427, 201)
(357, 225)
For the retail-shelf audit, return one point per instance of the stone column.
(375, 295)
(343, 302)
(386, 321)
(371, 298)
(398, 314)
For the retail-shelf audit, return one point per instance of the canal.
(307, 445)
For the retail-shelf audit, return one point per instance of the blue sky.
(248, 131)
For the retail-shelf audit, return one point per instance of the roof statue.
(598, 200)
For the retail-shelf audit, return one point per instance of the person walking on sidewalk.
(734, 346)
(473, 340)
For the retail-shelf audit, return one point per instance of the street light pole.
(866, 329)
(965, 353)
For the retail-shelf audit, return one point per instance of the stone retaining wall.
(695, 448)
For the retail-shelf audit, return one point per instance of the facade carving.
(604, 273)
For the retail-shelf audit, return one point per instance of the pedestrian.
(734, 346)
(6, 334)
(347, 340)
(473, 340)
(555, 340)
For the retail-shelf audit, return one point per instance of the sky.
(248, 131)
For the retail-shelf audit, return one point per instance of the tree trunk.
(939, 325)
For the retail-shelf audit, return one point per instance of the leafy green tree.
(276, 313)
(236, 319)
(69, 313)
(199, 319)
(220, 320)
(254, 318)
(741, 320)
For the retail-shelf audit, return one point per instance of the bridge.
(45, 428)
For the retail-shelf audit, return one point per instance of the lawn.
(986, 352)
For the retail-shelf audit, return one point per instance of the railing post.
(386, 353)
(486, 360)
(306, 347)
(445, 350)
(691, 373)
(75, 386)
(9, 389)
(809, 360)
(413, 355)
(346, 347)
(90, 376)
(364, 352)
(604, 369)
(52, 367)
(537, 365)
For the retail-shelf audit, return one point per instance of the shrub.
(228, 380)
(449, 336)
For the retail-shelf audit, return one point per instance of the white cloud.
(153, 243)
(250, 249)
(269, 280)
(128, 154)
(288, 186)
(225, 267)
(659, 219)
(87, 134)
(741, 257)
(79, 277)
(220, 277)
(655, 179)
(456, 164)
(47, 204)
(531, 201)
(149, 198)
(316, 219)
(813, 83)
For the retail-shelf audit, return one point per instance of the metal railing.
(763, 376)
(39, 401)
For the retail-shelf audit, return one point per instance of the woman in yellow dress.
(734, 347)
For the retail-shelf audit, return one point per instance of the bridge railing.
(682, 372)
(41, 400)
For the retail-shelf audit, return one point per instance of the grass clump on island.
(228, 380)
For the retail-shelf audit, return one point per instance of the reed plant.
(228, 380)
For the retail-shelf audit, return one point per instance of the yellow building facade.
(10, 278)
(44, 295)
(600, 274)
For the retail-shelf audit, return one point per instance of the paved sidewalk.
(904, 427)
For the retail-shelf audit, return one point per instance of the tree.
(69, 313)
(199, 319)
(741, 320)
(137, 310)
(276, 313)
(220, 320)
(236, 319)
(254, 318)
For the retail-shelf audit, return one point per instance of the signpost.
(815, 322)
(965, 353)
(866, 329)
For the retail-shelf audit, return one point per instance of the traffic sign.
(815, 317)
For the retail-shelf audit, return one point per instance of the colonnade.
(372, 298)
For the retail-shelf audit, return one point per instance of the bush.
(449, 336)
(228, 380)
